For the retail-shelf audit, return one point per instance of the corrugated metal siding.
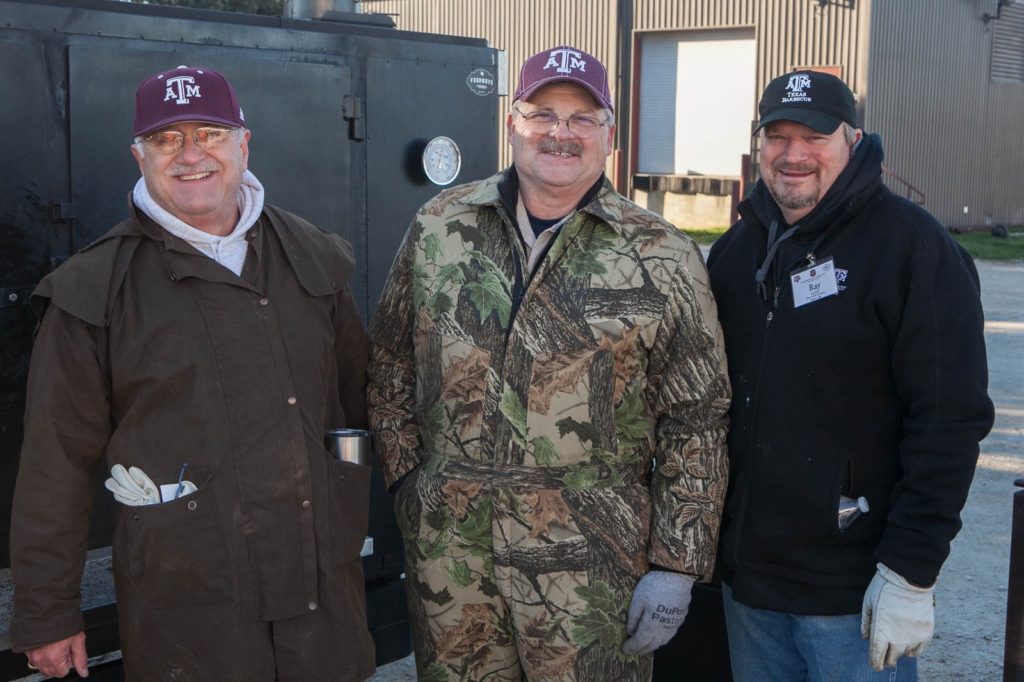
(522, 28)
(1008, 45)
(789, 32)
(947, 127)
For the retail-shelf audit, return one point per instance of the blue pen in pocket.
(181, 478)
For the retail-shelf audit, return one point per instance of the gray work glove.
(132, 487)
(660, 602)
(898, 618)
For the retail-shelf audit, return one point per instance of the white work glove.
(132, 487)
(898, 618)
(660, 602)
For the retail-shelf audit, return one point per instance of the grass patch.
(705, 236)
(983, 246)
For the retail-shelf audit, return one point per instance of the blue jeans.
(781, 647)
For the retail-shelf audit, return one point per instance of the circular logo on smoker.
(481, 82)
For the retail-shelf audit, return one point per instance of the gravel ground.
(971, 595)
(399, 671)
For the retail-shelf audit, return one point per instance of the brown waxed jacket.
(151, 354)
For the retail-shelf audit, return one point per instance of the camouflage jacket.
(604, 367)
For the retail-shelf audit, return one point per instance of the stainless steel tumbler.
(348, 445)
(850, 509)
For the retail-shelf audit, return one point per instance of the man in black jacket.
(854, 335)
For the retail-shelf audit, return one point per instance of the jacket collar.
(321, 271)
(502, 190)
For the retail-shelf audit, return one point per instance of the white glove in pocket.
(134, 488)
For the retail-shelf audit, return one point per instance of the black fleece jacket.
(878, 391)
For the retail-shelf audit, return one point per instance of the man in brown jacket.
(199, 349)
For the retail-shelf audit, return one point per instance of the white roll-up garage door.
(697, 100)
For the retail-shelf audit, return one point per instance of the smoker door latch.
(352, 110)
(62, 211)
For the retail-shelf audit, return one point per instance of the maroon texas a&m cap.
(186, 94)
(564, 63)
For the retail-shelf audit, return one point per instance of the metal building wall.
(789, 33)
(920, 70)
(947, 128)
(522, 28)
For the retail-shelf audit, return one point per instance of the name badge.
(814, 283)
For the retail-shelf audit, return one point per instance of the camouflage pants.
(510, 580)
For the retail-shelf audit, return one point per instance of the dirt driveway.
(971, 596)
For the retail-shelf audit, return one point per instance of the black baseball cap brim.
(815, 99)
(815, 120)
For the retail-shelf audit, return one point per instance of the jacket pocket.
(177, 552)
(349, 502)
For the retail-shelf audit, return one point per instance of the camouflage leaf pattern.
(570, 425)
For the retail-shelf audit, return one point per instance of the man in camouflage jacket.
(548, 391)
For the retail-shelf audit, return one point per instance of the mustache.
(560, 147)
(206, 167)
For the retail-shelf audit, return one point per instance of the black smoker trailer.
(341, 110)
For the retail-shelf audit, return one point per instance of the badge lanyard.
(813, 287)
(773, 246)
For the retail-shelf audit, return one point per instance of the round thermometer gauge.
(442, 160)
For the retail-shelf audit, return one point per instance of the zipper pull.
(768, 321)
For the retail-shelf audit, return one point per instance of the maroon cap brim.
(186, 119)
(527, 93)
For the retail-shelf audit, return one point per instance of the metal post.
(1013, 660)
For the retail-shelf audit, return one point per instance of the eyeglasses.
(543, 121)
(171, 141)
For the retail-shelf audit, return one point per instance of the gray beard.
(793, 201)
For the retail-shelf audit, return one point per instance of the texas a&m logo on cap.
(798, 83)
(181, 89)
(565, 60)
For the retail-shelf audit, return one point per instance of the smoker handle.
(1013, 660)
